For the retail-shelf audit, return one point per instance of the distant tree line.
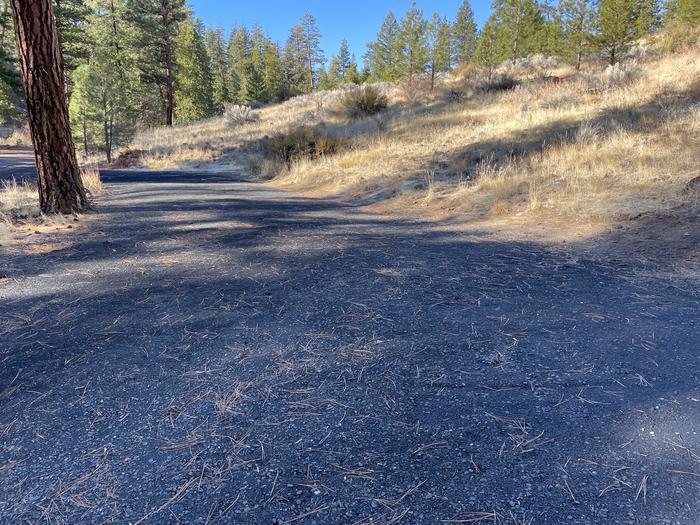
(567, 29)
(134, 64)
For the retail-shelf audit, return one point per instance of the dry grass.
(92, 181)
(595, 148)
(19, 206)
(17, 137)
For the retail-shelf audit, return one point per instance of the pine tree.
(551, 41)
(647, 16)
(10, 82)
(274, 72)
(305, 41)
(487, 52)
(295, 80)
(193, 86)
(103, 102)
(255, 91)
(519, 27)
(464, 34)
(578, 19)
(413, 44)
(154, 25)
(616, 27)
(331, 77)
(382, 54)
(344, 59)
(439, 47)
(60, 186)
(72, 20)
(352, 74)
(240, 56)
(218, 65)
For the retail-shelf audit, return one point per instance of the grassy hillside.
(561, 148)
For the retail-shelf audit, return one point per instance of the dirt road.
(208, 350)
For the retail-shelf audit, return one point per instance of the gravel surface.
(207, 350)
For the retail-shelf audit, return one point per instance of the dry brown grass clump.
(91, 179)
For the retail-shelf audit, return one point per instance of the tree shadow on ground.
(264, 356)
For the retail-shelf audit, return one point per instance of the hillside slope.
(560, 155)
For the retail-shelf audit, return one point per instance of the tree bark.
(60, 185)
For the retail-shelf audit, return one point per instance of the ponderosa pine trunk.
(60, 185)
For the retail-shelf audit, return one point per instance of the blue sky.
(357, 20)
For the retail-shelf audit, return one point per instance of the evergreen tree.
(255, 89)
(647, 16)
(519, 28)
(240, 56)
(10, 82)
(487, 52)
(305, 42)
(218, 65)
(193, 85)
(551, 41)
(352, 74)
(578, 19)
(295, 80)
(274, 72)
(331, 77)
(439, 47)
(72, 20)
(344, 59)
(413, 44)
(154, 26)
(102, 104)
(383, 54)
(616, 27)
(464, 34)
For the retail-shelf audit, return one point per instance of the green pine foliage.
(647, 16)
(194, 94)
(304, 49)
(488, 53)
(617, 27)
(413, 45)
(578, 24)
(103, 100)
(10, 84)
(464, 34)
(382, 54)
(153, 26)
(440, 59)
(218, 66)
(72, 21)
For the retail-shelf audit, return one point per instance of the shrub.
(613, 77)
(496, 83)
(537, 66)
(237, 115)
(365, 101)
(302, 142)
